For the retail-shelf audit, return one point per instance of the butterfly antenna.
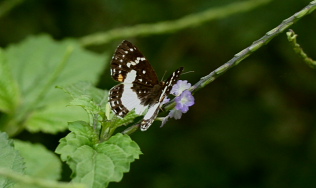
(163, 76)
(187, 72)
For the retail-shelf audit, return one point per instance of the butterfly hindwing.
(116, 102)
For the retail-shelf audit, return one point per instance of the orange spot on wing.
(120, 78)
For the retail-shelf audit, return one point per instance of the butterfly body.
(140, 88)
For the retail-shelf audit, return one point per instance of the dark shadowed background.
(254, 126)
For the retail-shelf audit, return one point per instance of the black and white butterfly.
(140, 88)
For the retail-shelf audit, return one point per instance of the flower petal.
(179, 87)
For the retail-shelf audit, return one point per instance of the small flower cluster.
(184, 99)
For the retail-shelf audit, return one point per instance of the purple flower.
(179, 87)
(184, 101)
(176, 114)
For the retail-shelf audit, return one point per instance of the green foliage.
(93, 101)
(39, 162)
(96, 164)
(29, 72)
(9, 96)
(88, 97)
(9, 159)
(95, 157)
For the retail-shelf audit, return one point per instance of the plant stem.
(291, 36)
(249, 50)
(185, 22)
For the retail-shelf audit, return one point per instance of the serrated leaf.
(9, 158)
(33, 70)
(90, 98)
(81, 134)
(97, 164)
(37, 65)
(86, 103)
(86, 89)
(39, 162)
(127, 144)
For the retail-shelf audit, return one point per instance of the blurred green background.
(254, 126)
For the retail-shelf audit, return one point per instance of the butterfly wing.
(153, 110)
(127, 58)
(130, 67)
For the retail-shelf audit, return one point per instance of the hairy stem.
(249, 50)
(254, 47)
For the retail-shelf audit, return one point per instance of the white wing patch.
(129, 97)
(130, 77)
(131, 101)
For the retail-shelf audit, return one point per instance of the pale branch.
(249, 50)
(254, 46)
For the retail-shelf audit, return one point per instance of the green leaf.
(51, 118)
(10, 94)
(90, 98)
(96, 164)
(93, 100)
(81, 134)
(9, 158)
(39, 162)
(82, 88)
(32, 70)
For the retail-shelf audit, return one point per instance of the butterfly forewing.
(126, 58)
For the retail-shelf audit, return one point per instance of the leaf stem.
(131, 129)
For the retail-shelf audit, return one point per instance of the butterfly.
(140, 88)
